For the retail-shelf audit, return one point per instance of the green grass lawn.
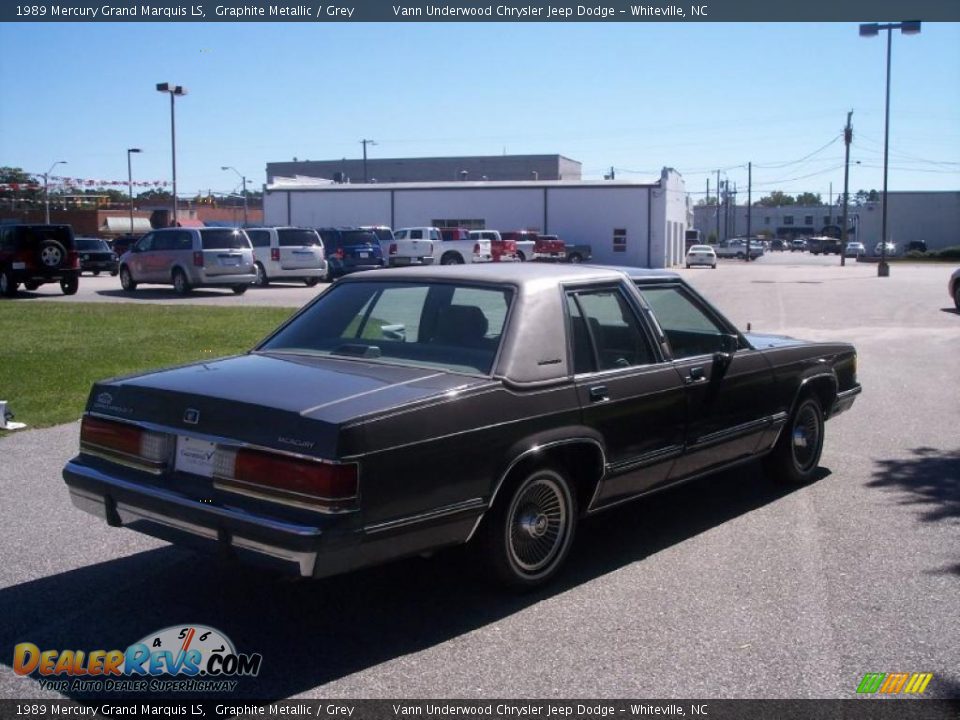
(51, 353)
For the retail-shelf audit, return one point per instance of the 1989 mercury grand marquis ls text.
(410, 409)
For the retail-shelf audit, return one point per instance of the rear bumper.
(208, 280)
(403, 261)
(319, 549)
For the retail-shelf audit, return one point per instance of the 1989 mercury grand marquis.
(410, 409)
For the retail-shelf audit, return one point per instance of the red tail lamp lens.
(304, 477)
(111, 435)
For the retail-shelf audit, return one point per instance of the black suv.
(38, 254)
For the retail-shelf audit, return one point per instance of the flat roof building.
(432, 169)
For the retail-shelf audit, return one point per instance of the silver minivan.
(190, 257)
(288, 253)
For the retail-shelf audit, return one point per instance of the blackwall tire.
(126, 280)
(530, 531)
(262, 279)
(181, 285)
(70, 285)
(8, 288)
(796, 456)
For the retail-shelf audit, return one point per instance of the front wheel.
(530, 531)
(180, 284)
(956, 296)
(239, 289)
(796, 456)
(576, 258)
(126, 280)
(521, 257)
(451, 259)
(70, 285)
(311, 281)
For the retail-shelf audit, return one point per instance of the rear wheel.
(262, 279)
(956, 296)
(126, 279)
(31, 285)
(239, 289)
(8, 287)
(797, 454)
(180, 284)
(311, 281)
(520, 256)
(576, 258)
(70, 285)
(451, 258)
(96, 272)
(530, 531)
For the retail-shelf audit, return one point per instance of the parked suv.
(287, 253)
(38, 254)
(351, 249)
(190, 257)
(96, 256)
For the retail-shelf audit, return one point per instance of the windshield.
(91, 244)
(224, 239)
(441, 325)
(296, 237)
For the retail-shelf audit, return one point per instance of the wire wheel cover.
(806, 437)
(538, 525)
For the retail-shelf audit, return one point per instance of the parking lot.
(729, 586)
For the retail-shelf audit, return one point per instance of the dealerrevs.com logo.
(895, 683)
(182, 658)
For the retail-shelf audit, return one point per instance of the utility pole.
(847, 139)
(365, 143)
(718, 206)
(749, 188)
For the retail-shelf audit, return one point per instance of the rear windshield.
(440, 325)
(358, 237)
(224, 239)
(91, 244)
(296, 237)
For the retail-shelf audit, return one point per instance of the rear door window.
(259, 238)
(297, 237)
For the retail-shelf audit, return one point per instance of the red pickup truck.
(549, 248)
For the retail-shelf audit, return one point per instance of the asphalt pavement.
(727, 587)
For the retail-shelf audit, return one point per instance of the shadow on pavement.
(313, 632)
(153, 294)
(930, 479)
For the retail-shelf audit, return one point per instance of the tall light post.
(174, 91)
(130, 182)
(908, 27)
(46, 188)
(365, 143)
(243, 179)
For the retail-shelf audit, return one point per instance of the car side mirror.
(724, 356)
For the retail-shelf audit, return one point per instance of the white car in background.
(701, 255)
(288, 254)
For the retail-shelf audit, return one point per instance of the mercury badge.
(191, 416)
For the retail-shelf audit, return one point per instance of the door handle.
(697, 374)
(598, 393)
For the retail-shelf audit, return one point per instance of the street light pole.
(847, 139)
(907, 27)
(130, 182)
(46, 189)
(174, 91)
(243, 179)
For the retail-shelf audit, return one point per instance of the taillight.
(339, 254)
(74, 258)
(198, 258)
(393, 249)
(125, 442)
(275, 254)
(476, 248)
(298, 481)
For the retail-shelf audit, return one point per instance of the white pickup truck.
(412, 246)
(458, 247)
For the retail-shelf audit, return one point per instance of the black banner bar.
(855, 709)
(473, 11)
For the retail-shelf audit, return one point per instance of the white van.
(288, 253)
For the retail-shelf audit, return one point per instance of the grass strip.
(51, 353)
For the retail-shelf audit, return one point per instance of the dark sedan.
(96, 256)
(411, 409)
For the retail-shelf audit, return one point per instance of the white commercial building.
(636, 224)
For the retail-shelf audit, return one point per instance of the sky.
(634, 96)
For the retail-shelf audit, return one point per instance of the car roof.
(514, 273)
